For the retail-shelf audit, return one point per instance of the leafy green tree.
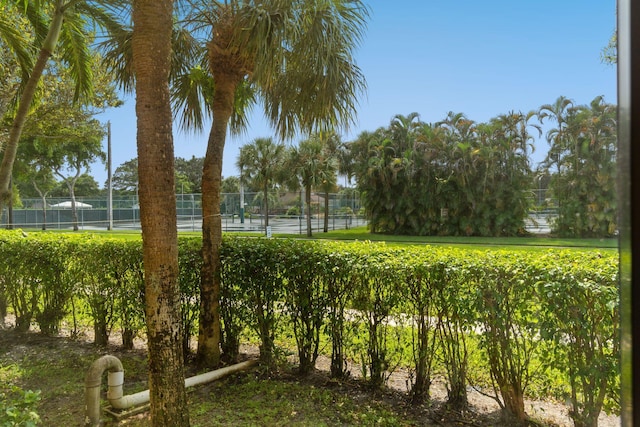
(64, 136)
(190, 173)
(183, 184)
(85, 186)
(230, 184)
(261, 164)
(297, 57)
(33, 174)
(74, 157)
(125, 177)
(67, 27)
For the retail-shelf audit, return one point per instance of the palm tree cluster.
(310, 165)
(454, 177)
(582, 165)
(313, 165)
(459, 177)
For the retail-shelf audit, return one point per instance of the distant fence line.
(344, 213)
(92, 213)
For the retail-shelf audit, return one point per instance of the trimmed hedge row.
(544, 318)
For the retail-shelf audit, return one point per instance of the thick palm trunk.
(10, 150)
(151, 52)
(209, 325)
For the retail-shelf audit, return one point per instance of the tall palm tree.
(151, 50)
(295, 56)
(332, 148)
(67, 28)
(310, 168)
(260, 163)
(403, 130)
(559, 112)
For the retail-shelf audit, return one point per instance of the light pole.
(109, 179)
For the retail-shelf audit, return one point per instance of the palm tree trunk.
(209, 325)
(151, 45)
(307, 199)
(326, 212)
(266, 208)
(11, 147)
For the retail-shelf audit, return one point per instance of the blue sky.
(480, 58)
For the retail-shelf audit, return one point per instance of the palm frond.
(21, 48)
(191, 98)
(75, 52)
(118, 57)
(245, 99)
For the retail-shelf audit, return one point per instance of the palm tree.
(14, 49)
(260, 164)
(332, 148)
(151, 49)
(296, 56)
(403, 130)
(310, 168)
(67, 27)
(559, 112)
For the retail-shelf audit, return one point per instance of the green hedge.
(540, 323)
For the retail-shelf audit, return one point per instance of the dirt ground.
(482, 412)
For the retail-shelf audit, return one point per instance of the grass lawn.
(361, 233)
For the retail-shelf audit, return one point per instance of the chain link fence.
(286, 213)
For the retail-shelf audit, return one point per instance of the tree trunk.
(11, 146)
(209, 332)
(44, 214)
(151, 45)
(43, 198)
(307, 199)
(74, 208)
(266, 208)
(101, 331)
(326, 212)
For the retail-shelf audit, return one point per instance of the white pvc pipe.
(218, 373)
(115, 382)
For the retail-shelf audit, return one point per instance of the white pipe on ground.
(115, 381)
